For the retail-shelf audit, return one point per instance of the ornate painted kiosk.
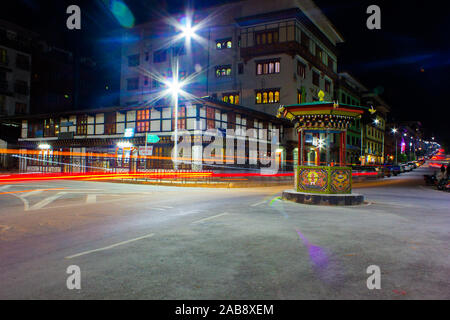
(321, 176)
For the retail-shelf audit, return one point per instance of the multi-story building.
(366, 137)
(374, 130)
(349, 91)
(257, 54)
(15, 66)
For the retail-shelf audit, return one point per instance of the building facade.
(15, 68)
(259, 54)
(114, 139)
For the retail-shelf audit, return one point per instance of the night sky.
(409, 58)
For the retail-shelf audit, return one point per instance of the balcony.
(291, 48)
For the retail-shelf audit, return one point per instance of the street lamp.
(394, 131)
(175, 86)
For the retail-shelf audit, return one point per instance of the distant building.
(366, 137)
(15, 69)
(374, 130)
(349, 91)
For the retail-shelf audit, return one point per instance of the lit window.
(224, 44)
(268, 67)
(232, 98)
(267, 96)
(258, 98)
(223, 71)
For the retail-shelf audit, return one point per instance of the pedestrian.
(447, 171)
(441, 174)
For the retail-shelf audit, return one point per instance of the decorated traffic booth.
(322, 176)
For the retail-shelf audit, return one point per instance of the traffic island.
(323, 199)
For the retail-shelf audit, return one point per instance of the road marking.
(32, 193)
(4, 187)
(209, 218)
(257, 204)
(91, 198)
(110, 247)
(46, 201)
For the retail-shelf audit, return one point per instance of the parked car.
(394, 169)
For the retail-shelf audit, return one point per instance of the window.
(156, 83)
(181, 118)
(147, 56)
(160, 56)
(268, 67)
(224, 44)
(142, 120)
(22, 62)
(316, 78)
(319, 53)
(82, 125)
(51, 127)
(3, 56)
(305, 40)
(299, 96)
(110, 123)
(232, 98)
(327, 86)
(210, 118)
(240, 68)
(133, 60)
(133, 83)
(266, 37)
(35, 129)
(145, 81)
(301, 70)
(223, 71)
(267, 96)
(330, 63)
(21, 108)
(21, 87)
(2, 104)
(179, 50)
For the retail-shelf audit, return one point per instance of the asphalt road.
(154, 242)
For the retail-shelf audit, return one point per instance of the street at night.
(156, 242)
(224, 159)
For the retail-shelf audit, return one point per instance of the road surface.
(154, 242)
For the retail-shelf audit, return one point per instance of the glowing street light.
(124, 144)
(44, 146)
(175, 87)
(394, 131)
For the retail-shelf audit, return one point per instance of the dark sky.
(409, 57)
